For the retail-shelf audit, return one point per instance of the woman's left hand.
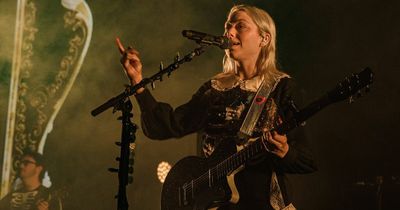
(279, 142)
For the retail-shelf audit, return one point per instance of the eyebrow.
(240, 20)
(236, 21)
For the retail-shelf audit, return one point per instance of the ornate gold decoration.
(33, 107)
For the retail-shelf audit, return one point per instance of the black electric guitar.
(196, 183)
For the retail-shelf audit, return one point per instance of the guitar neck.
(257, 147)
(301, 116)
(239, 158)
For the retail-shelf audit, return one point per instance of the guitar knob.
(130, 170)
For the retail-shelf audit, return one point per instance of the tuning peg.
(130, 179)
(177, 57)
(131, 161)
(367, 89)
(130, 170)
(118, 143)
(117, 159)
(153, 86)
(113, 170)
(161, 66)
(176, 60)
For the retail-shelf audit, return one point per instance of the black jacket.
(217, 115)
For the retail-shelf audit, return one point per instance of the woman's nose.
(230, 33)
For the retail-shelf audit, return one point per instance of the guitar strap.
(246, 131)
(256, 107)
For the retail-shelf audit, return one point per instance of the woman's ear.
(265, 40)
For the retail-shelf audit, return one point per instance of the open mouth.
(235, 43)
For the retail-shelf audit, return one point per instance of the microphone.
(203, 38)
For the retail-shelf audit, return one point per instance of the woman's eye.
(240, 26)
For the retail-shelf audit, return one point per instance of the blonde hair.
(266, 62)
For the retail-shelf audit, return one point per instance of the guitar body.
(187, 169)
(203, 197)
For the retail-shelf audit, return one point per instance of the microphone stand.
(122, 103)
(131, 90)
(127, 145)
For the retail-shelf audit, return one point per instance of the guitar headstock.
(352, 86)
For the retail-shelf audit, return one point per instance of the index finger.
(119, 45)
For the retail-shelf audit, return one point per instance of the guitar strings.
(225, 166)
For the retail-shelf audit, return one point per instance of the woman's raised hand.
(131, 62)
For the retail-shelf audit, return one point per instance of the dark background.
(319, 43)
